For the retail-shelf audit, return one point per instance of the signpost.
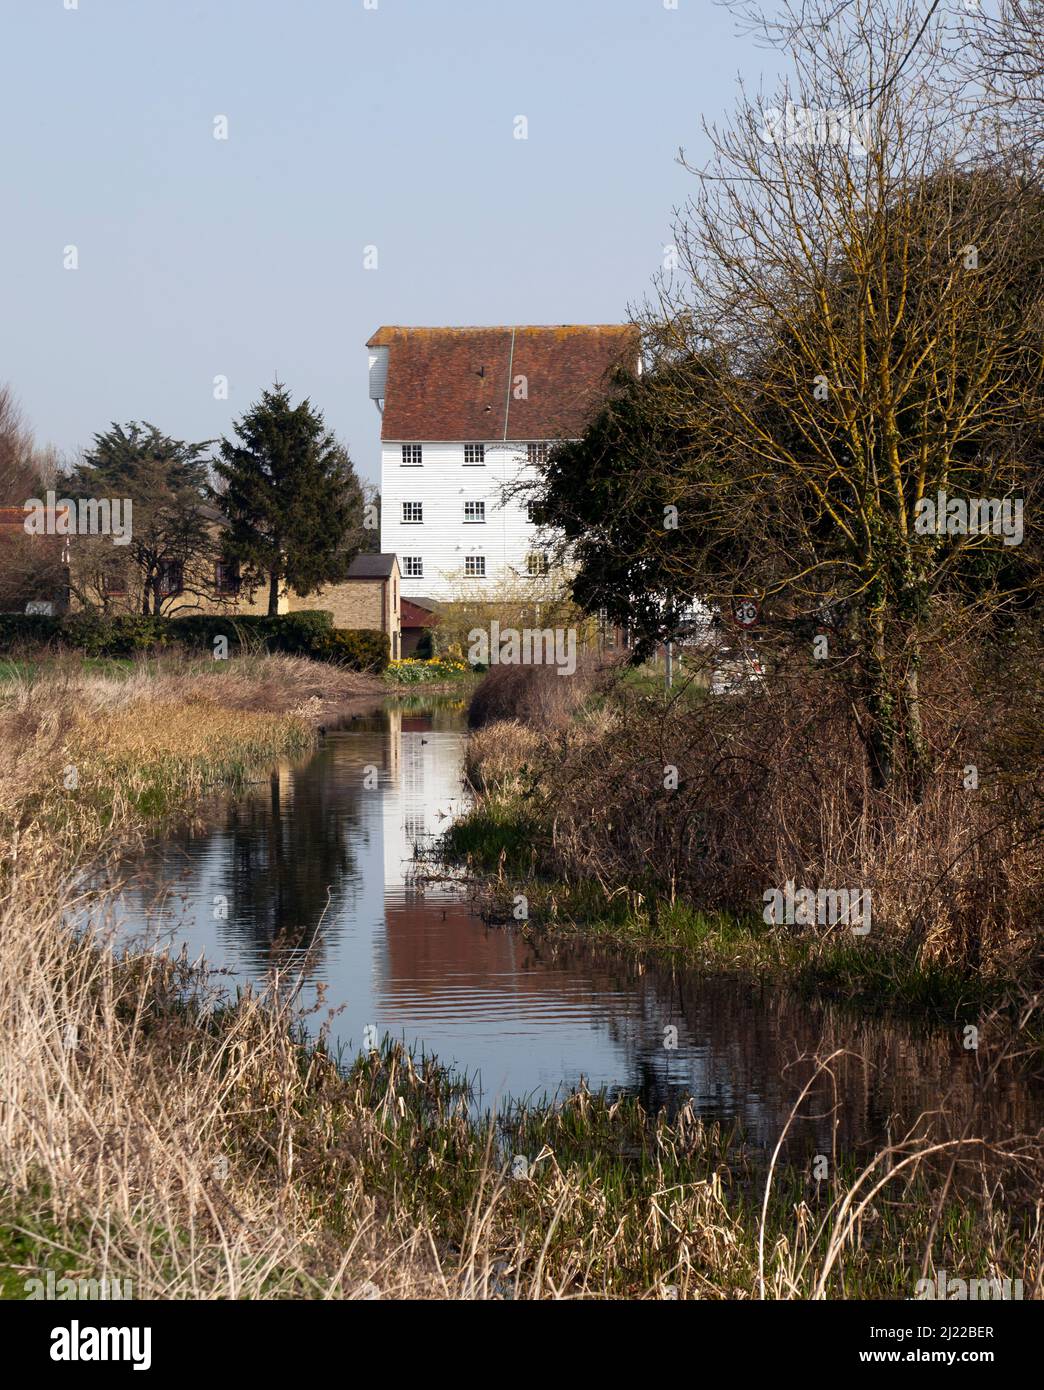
(745, 612)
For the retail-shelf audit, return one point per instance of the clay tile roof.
(458, 383)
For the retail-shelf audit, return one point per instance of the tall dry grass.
(142, 1140)
(201, 1152)
(772, 786)
(537, 696)
(145, 1132)
(89, 757)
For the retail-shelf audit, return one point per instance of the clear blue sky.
(347, 127)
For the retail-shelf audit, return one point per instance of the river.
(315, 867)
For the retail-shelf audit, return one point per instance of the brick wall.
(356, 603)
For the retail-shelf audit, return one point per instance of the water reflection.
(315, 864)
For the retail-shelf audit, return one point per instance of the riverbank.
(201, 1155)
(495, 842)
(93, 752)
(867, 978)
(671, 826)
(196, 1146)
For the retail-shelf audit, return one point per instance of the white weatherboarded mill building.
(466, 412)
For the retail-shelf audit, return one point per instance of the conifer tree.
(290, 496)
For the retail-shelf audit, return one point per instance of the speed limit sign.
(746, 612)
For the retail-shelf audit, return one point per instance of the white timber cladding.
(378, 364)
(442, 483)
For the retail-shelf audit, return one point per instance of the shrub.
(310, 633)
(197, 631)
(293, 634)
(771, 786)
(104, 634)
(299, 634)
(93, 633)
(24, 629)
(364, 649)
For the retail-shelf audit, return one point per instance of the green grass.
(501, 836)
(650, 680)
(29, 1248)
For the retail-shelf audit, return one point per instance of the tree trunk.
(273, 593)
(880, 748)
(914, 731)
(880, 703)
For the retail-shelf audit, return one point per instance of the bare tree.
(19, 461)
(1003, 56)
(868, 301)
(31, 567)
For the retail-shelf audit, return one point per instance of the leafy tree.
(611, 501)
(172, 544)
(291, 498)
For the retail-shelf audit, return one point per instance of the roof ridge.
(500, 328)
(507, 397)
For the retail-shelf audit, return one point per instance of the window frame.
(474, 560)
(412, 520)
(480, 462)
(475, 520)
(166, 588)
(220, 587)
(407, 572)
(114, 583)
(417, 462)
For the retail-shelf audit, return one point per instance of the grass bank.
(201, 1152)
(92, 752)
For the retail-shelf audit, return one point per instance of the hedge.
(27, 630)
(296, 634)
(308, 633)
